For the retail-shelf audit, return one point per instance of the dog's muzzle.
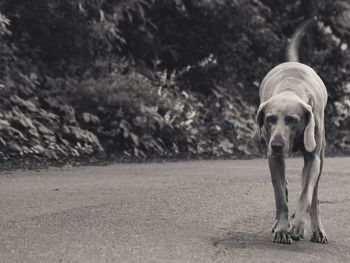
(278, 146)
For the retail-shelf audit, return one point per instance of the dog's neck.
(293, 88)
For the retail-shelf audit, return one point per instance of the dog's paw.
(319, 236)
(297, 229)
(274, 226)
(282, 237)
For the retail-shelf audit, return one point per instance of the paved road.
(203, 211)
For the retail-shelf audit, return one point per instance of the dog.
(291, 118)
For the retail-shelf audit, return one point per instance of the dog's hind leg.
(280, 229)
(318, 233)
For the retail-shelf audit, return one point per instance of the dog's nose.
(276, 146)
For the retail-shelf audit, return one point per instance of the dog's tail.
(293, 46)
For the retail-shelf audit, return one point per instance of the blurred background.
(145, 79)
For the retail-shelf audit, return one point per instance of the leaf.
(81, 135)
(2, 141)
(38, 149)
(52, 155)
(43, 129)
(82, 9)
(13, 133)
(226, 146)
(34, 132)
(135, 139)
(15, 147)
(138, 152)
(51, 139)
(4, 123)
(90, 118)
(23, 103)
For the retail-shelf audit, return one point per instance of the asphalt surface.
(203, 211)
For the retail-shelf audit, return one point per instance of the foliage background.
(156, 78)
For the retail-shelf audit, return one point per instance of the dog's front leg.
(280, 229)
(318, 233)
(310, 174)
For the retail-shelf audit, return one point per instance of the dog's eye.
(291, 120)
(271, 119)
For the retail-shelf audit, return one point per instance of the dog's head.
(283, 122)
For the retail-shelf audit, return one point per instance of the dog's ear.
(309, 132)
(260, 115)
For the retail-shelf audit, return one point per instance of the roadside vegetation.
(144, 79)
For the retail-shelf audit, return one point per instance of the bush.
(140, 118)
(82, 78)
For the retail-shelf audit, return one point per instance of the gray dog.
(291, 118)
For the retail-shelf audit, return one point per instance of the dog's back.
(294, 76)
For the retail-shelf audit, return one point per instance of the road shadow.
(260, 240)
(263, 241)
